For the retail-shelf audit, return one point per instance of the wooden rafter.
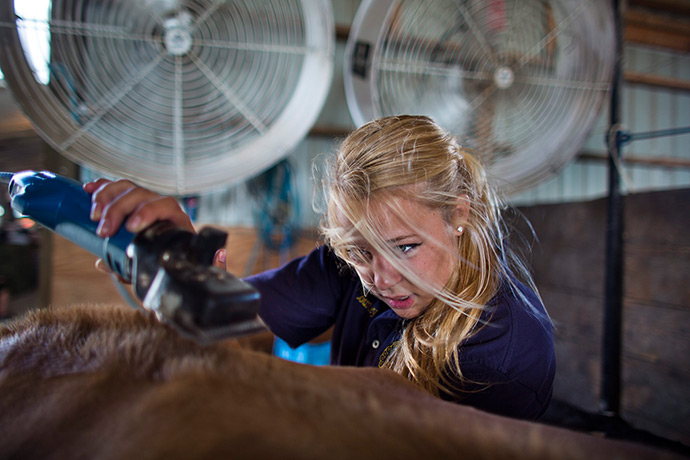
(659, 23)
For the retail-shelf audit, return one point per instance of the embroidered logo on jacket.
(368, 305)
(385, 353)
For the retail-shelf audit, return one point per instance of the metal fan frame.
(365, 60)
(181, 175)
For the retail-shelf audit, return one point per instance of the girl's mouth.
(400, 303)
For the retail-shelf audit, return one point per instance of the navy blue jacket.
(512, 356)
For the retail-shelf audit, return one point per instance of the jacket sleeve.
(299, 300)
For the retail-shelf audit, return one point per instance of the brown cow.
(97, 382)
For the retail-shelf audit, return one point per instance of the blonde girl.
(415, 274)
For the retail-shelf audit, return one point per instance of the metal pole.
(613, 290)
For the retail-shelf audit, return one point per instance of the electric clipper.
(171, 269)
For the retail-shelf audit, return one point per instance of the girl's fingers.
(219, 259)
(92, 186)
(155, 209)
(103, 193)
(115, 203)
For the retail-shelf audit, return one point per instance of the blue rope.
(277, 207)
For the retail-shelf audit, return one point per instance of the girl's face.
(425, 243)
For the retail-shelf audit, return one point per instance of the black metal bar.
(629, 137)
(613, 289)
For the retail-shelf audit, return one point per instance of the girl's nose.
(385, 275)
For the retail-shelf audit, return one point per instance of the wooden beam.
(662, 162)
(320, 130)
(342, 31)
(676, 7)
(656, 81)
(647, 27)
(659, 23)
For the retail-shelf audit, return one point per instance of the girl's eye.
(358, 256)
(406, 248)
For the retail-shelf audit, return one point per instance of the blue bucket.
(309, 353)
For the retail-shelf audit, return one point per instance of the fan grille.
(520, 82)
(183, 97)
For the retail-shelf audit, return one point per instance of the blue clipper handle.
(61, 205)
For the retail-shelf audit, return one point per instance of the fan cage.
(518, 82)
(182, 97)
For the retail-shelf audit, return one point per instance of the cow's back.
(101, 382)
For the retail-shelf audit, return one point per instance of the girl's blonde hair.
(412, 155)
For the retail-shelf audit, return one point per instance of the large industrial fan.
(518, 81)
(181, 96)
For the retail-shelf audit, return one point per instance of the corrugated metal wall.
(645, 108)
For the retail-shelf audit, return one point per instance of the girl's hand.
(113, 203)
(219, 259)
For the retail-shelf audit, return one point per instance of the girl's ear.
(461, 213)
